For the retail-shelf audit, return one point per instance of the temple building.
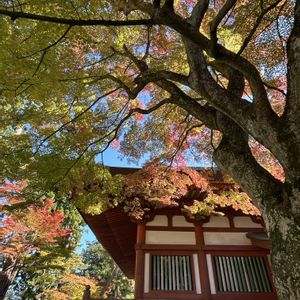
(171, 255)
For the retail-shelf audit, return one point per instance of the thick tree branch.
(72, 22)
(271, 87)
(161, 78)
(290, 130)
(141, 65)
(234, 156)
(147, 49)
(201, 81)
(159, 75)
(226, 101)
(204, 113)
(236, 82)
(156, 3)
(167, 17)
(216, 21)
(169, 4)
(188, 31)
(198, 13)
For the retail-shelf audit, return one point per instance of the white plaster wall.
(226, 238)
(211, 274)
(147, 273)
(170, 237)
(243, 222)
(158, 220)
(180, 221)
(197, 274)
(217, 221)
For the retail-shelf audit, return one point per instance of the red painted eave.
(117, 234)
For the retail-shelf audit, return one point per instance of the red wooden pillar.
(139, 262)
(204, 278)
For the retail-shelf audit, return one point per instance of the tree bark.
(275, 200)
(5, 282)
(7, 277)
(284, 231)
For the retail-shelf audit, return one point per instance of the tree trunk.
(7, 277)
(284, 231)
(4, 284)
(5, 281)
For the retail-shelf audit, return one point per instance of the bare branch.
(115, 131)
(159, 75)
(156, 3)
(182, 139)
(75, 8)
(146, 54)
(190, 32)
(271, 87)
(204, 113)
(257, 23)
(161, 78)
(203, 83)
(94, 78)
(142, 66)
(99, 61)
(74, 119)
(44, 51)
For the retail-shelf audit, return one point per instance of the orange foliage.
(157, 186)
(25, 230)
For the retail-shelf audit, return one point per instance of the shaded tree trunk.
(7, 277)
(5, 282)
(277, 204)
(284, 231)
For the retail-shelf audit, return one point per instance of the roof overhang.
(117, 234)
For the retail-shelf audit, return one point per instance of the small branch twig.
(257, 23)
(44, 51)
(73, 119)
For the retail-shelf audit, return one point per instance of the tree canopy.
(176, 79)
(67, 277)
(30, 238)
(100, 266)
